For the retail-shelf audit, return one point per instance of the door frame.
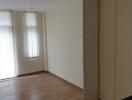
(91, 48)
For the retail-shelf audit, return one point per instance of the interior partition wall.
(91, 49)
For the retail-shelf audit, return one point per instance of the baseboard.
(66, 81)
(32, 73)
(22, 75)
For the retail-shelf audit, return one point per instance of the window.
(7, 55)
(32, 48)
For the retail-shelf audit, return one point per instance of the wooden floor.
(38, 87)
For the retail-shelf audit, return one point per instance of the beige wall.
(107, 49)
(65, 41)
(91, 31)
(124, 49)
(116, 49)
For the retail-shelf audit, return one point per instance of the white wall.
(65, 41)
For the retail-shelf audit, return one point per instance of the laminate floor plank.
(38, 87)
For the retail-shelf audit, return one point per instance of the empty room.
(41, 50)
(65, 50)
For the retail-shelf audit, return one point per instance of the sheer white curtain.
(31, 44)
(7, 55)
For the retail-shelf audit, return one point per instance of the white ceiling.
(29, 5)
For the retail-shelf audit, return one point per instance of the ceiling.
(30, 5)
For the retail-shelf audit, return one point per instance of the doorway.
(21, 43)
(7, 54)
(29, 41)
